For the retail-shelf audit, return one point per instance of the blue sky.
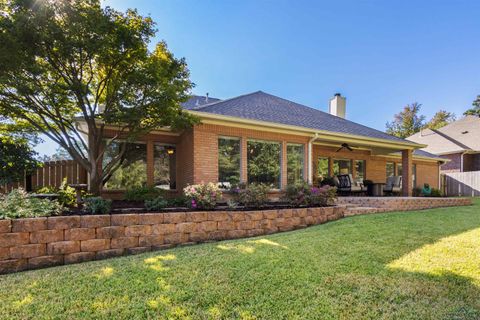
(381, 55)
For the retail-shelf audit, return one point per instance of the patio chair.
(393, 185)
(346, 185)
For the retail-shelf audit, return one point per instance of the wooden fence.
(462, 183)
(52, 174)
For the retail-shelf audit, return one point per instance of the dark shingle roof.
(266, 107)
(197, 101)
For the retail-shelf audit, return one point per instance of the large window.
(295, 163)
(164, 166)
(263, 162)
(360, 170)
(322, 168)
(399, 169)
(390, 169)
(228, 161)
(133, 165)
(342, 166)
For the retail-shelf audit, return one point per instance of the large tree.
(17, 158)
(475, 110)
(407, 122)
(70, 62)
(440, 119)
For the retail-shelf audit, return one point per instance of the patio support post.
(407, 172)
(310, 158)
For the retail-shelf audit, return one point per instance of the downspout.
(310, 158)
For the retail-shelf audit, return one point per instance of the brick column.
(283, 166)
(330, 166)
(243, 160)
(150, 163)
(407, 172)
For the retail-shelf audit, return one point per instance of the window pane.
(414, 178)
(360, 170)
(228, 161)
(133, 170)
(263, 161)
(399, 169)
(390, 169)
(164, 166)
(295, 160)
(342, 167)
(322, 169)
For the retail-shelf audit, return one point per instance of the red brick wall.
(41, 242)
(454, 165)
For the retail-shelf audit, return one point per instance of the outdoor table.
(377, 188)
(78, 189)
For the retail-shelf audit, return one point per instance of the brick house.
(458, 142)
(259, 137)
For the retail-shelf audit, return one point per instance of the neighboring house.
(458, 141)
(259, 137)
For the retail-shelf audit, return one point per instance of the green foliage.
(436, 193)
(407, 122)
(179, 201)
(253, 195)
(143, 193)
(67, 195)
(18, 204)
(156, 204)
(16, 159)
(302, 194)
(67, 61)
(475, 111)
(229, 160)
(97, 205)
(440, 119)
(202, 196)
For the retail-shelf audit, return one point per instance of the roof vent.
(206, 97)
(464, 132)
(338, 106)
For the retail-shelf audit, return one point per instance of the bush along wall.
(47, 241)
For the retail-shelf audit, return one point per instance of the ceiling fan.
(345, 146)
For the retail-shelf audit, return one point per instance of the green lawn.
(417, 265)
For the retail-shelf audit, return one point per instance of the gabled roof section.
(459, 136)
(262, 106)
(198, 101)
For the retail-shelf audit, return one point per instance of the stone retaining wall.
(403, 203)
(40, 242)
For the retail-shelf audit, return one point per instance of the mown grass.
(417, 265)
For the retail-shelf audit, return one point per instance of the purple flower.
(194, 204)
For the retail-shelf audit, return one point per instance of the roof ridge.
(447, 137)
(229, 99)
(330, 115)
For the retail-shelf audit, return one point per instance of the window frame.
(155, 143)
(302, 178)
(239, 139)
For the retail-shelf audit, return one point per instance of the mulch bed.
(122, 207)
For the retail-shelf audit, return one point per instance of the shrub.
(304, 194)
(141, 194)
(156, 204)
(177, 201)
(328, 181)
(417, 192)
(436, 193)
(323, 196)
(253, 195)
(67, 195)
(202, 196)
(298, 194)
(97, 205)
(18, 204)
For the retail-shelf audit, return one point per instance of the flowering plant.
(252, 195)
(202, 196)
(302, 194)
